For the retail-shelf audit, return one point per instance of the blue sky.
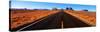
(45, 5)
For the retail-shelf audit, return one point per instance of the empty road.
(59, 20)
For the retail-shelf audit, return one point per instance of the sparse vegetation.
(21, 17)
(85, 15)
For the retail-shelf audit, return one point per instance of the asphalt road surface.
(59, 20)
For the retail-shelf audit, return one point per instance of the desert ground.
(88, 17)
(20, 17)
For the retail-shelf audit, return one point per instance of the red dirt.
(89, 16)
(21, 17)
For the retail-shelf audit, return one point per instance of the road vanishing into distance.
(59, 20)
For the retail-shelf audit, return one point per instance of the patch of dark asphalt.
(54, 22)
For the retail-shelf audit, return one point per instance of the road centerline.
(62, 26)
